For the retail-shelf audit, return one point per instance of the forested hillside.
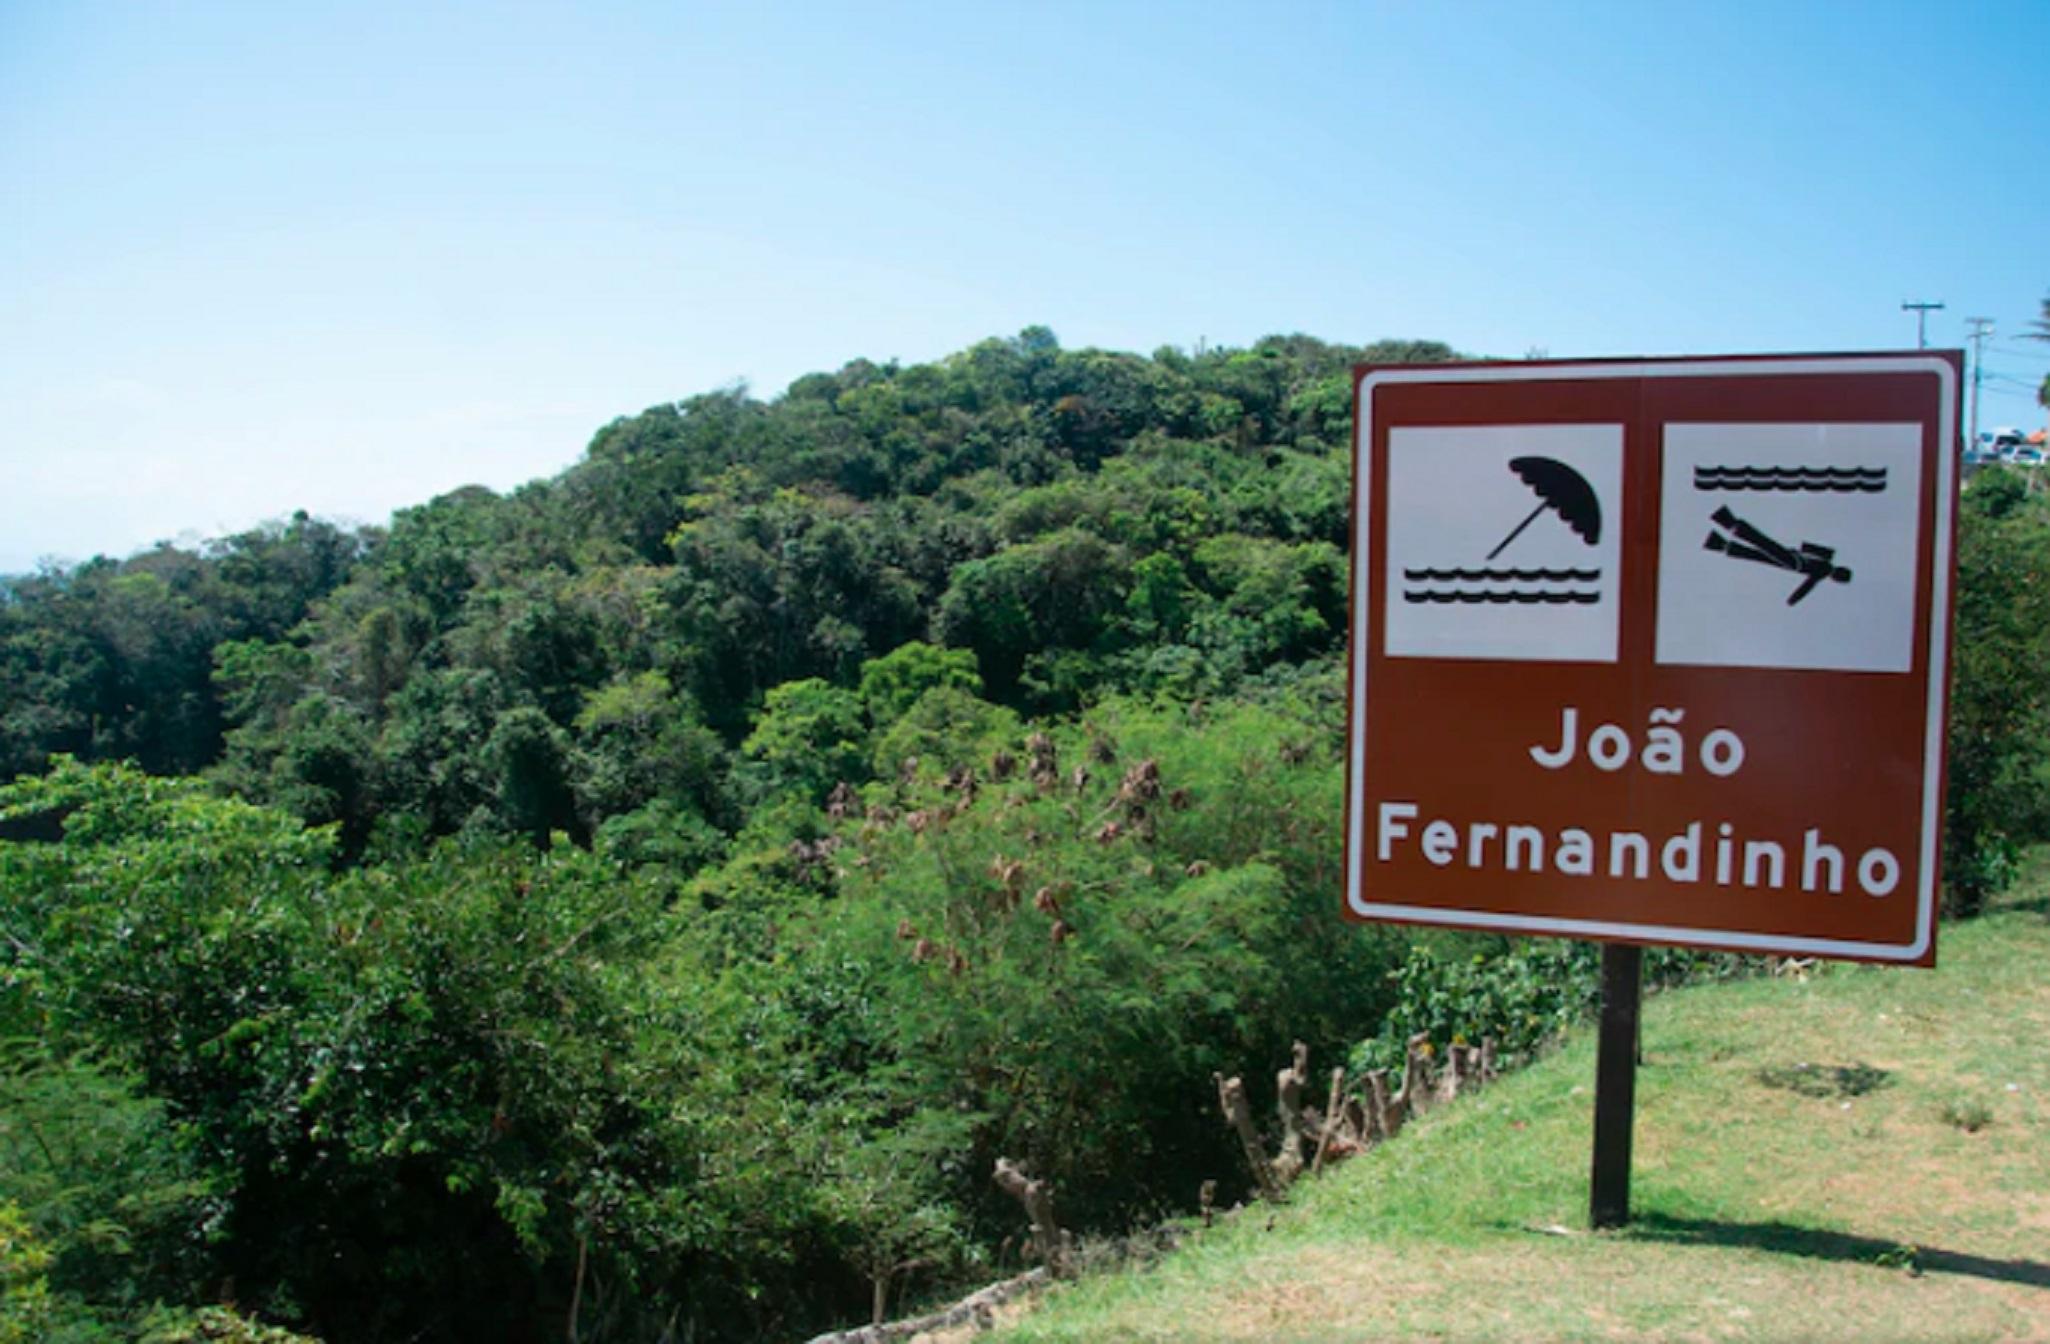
(1077, 520)
(651, 900)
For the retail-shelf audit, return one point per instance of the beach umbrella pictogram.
(1561, 488)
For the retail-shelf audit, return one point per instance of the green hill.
(1858, 1154)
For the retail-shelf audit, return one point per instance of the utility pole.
(1921, 311)
(1982, 327)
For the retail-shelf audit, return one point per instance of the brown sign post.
(1654, 652)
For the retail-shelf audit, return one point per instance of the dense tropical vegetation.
(646, 903)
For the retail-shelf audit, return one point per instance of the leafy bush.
(24, 1285)
(1059, 969)
(108, 1185)
(1999, 737)
(436, 1095)
(214, 1325)
(1520, 992)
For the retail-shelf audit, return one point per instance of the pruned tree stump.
(1348, 1124)
(1048, 1239)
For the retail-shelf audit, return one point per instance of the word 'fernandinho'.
(1685, 856)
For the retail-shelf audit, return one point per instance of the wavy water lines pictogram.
(1842, 480)
(1502, 575)
(1504, 596)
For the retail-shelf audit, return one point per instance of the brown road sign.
(1655, 651)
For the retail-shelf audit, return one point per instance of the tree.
(893, 683)
(429, 555)
(636, 743)
(780, 586)
(431, 760)
(945, 728)
(271, 576)
(1058, 593)
(529, 759)
(811, 736)
(324, 771)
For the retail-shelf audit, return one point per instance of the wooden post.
(1615, 1085)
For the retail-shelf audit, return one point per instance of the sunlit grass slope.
(1863, 1154)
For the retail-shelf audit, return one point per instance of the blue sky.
(263, 257)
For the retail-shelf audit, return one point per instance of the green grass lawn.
(1863, 1154)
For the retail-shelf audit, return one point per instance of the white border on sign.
(1941, 545)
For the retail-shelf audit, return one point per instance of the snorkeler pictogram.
(1745, 542)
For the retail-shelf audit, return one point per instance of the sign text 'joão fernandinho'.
(1655, 651)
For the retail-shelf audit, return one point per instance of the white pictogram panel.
(1789, 545)
(1503, 542)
